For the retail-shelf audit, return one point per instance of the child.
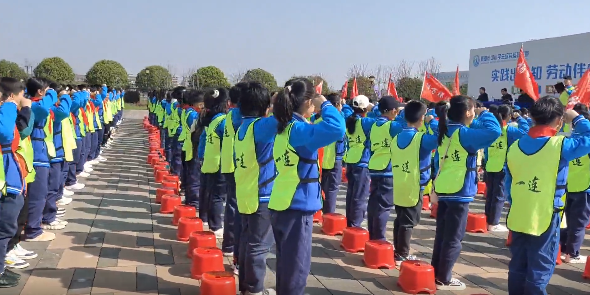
(169, 105)
(296, 193)
(577, 203)
(191, 165)
(55, 187)
(255, 168)
(536, 182)
(357, 161)
(457, 149)
(175, 129)
(211, 202)
(11, 180)
(332, 163)
(72, 179)
(410, 161)
(83, 127)
(495, 160)
(231, 220)
(381, 133)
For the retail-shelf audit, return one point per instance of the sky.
(286, 38)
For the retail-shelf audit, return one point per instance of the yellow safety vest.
(81, 124)
(329, 159)
(227, 148)
(187, 145)
(533, 187)
(356, 144)
(453, 169)
(184, 131)
(247, 171)
(405, 165)
(212, 158)
(25, 149)
(49, 137)
(68, 138)
(497, 152)
(380, 146)
(578, 177)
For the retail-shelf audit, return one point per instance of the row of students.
(51, 150)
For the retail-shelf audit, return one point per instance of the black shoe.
(8, 281)
(11, 273)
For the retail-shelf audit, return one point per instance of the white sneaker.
(580, 259)
(87, 164)
(12, 261)
(92, 162)
(88, 170)
(83, 174)
(219, 233)
(68, 193)
(61, 221)
(265, 292)
(64, 201)
(498, 228)
(24, 254)
(55, 225)
(44, 237)
(76, 186)
(453, 285)
(101, 159)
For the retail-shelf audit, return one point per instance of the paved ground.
(117, 243)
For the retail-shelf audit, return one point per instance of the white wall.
(549, 59)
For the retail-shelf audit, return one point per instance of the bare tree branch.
(237, 77)
(402, 70)
(357, 71)
(430, 65)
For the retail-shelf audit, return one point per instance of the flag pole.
(423, 81)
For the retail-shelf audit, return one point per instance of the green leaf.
(56, 70)
(107, 72)
(11, 69)
(210, 77)
(152, 78)
(263, 77)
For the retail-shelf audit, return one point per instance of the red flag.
(582, 92)
(344, 92)
(318, 88)
(355, 89)
(524, 78)
(391, 91)
(433, 90)
(457, 87)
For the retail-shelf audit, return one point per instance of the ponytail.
(441, 110)
(351, 120)
(283, 109)
(454, 110)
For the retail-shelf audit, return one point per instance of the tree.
(409, 87)
(107, 72)
(211, 76)
(263, 77)
(11, 69)
(462, 87)
(131, 97)
(430, 65)
(153, 77)
(315, 80)
(55, 69)
(364, 86)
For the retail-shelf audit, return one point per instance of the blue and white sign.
(549, 59)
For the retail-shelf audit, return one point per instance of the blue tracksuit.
(192, 168)
(231, 222)
(533, 258)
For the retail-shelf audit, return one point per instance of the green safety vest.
(405, 165)
(172, 122)
(25, 149)
(497, 152)
(2, 176)
(49, 137)
(187, 145)
(183, 132)
(453, 169)
(329, 152)
(533, 187)
(578, 177)
(212, 158)
(380, 146)
(227, 149)
(90, 116)
(356, 144)
(81, 124)
(68, 138)
(247, 170)
(159, 113)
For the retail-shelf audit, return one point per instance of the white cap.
(361, 102)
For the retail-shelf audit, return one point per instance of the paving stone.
(82, 281)
(164, 255)
(147, 278)
(109, 257)
(50, 259)
(94, 239)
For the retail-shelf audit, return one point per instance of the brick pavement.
(117, 243)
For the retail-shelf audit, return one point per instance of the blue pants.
(192, 182)
(211, 202)
(356, 194)
(37, 193)
(83, 155)
(495, 197)
(577, 215)
(379, 206)
(255, 243)
(168, 147)
(163, 137)
(331, 180)
(99, 138)
(451, 222)
(533, 260)
(176, 157)
(230, 239)
(202, 193)
(65, 169)
(10, 206)
(93, 146)
(71, 178)
(292, 231)
(88, 145)
(53, 191)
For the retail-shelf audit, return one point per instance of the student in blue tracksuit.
(213, 121)
(169, 104)
(56, 171)
(332, 163)
(191, 166)
(535, 223)
(43, 98)
(85, 140)
(347, 110)
(12, 200)
(382, 131)
(495, 160)
(163, 104)
(255, 168)
(296, 194)
(97, 136)
(71, 182)
(358, 129)
(178, 94)
(457, 149)
(231, 220)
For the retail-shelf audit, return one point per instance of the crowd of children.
(51, 135)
